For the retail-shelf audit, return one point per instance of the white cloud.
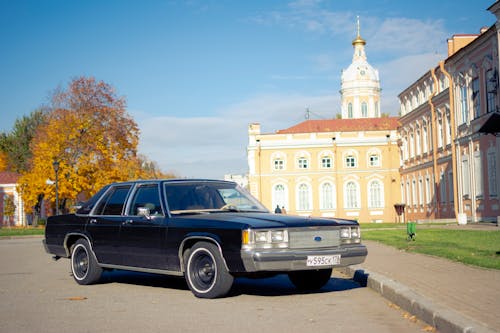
(392, 34)
(215, 145)
(309, 16)
(396, 75)
(407, 36)
(209, 147)
(401, 72)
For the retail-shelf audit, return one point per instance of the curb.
(21, 237)
(444, 319)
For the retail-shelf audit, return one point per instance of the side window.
(112, 203)
(146, 196)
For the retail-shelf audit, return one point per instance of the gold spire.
(358, 39)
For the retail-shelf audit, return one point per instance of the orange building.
(346, 168)
(450, 126)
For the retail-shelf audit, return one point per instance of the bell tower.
(360, 84)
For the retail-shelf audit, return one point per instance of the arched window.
(279, 164)
(326, 162)
(376, 194)
(351, 195)
(279, 195)
(304, 197)
(278, 161)
(349, 111)
(302, 162)
(364, 110)
(374, 159)
(327, 196)
(425, 146)
(350, 161)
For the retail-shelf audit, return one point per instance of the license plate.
(323, 260)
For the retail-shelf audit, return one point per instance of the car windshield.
(199, 197)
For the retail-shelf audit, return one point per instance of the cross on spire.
(357, 26)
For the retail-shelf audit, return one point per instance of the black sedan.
(205, 230)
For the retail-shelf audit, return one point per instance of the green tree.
(16, 144)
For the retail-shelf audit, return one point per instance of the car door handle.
(93, 221)
(128, 222)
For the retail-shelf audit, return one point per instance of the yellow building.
(346, 168)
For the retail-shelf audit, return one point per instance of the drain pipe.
(453, 137)
(434, 143)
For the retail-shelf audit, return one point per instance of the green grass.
(472, 247)
(15, 231)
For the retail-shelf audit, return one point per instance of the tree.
(3, 161)
(90, 134)
(16, 144)
(9, 208)
(151, 170)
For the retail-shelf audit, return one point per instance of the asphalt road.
(38, 294)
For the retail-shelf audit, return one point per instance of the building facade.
(11, 204)
(449, 134)
(347, 168)
(344, 168)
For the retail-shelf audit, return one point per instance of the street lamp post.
(55, 164)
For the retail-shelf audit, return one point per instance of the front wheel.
(206, 274)
(83, 263)
(311, 279)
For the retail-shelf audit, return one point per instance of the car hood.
(268, 220)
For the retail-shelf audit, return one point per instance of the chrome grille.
(313, 237)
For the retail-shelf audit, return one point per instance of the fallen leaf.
(76, 298)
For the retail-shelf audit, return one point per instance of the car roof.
(172, 180)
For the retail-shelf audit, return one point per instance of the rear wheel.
(83, 263)
(206, 274)
(310, 280)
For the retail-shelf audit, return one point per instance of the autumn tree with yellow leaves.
(3, 161)
(89, 132)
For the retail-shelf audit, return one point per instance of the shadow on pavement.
(278, 285)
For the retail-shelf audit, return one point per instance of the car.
(207, 231)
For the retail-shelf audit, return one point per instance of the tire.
(84, 264)
(206, 273)
(310, 280)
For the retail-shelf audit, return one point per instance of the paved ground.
(469, 292)
(39, 295)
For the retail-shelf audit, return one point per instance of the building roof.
(7, 177)
(343, 125)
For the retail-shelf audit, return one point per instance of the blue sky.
(196, 73)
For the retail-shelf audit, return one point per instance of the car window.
(209, 196)
(88, 205)
(146, 196)
(113, 201)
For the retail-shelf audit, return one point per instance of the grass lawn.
(473, 247)
(16, 231)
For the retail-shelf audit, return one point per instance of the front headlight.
(264, 239)
(260, 236)
(349, 235)
(355, 232)
(278, 236)
(345, 232)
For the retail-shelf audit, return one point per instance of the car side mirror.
(144, 211)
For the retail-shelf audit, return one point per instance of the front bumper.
(257, 260)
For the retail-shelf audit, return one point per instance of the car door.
(144, 231)
(105, 222)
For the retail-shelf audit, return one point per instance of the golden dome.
(358, 40)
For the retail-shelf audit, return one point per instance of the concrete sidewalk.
(449, 296)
